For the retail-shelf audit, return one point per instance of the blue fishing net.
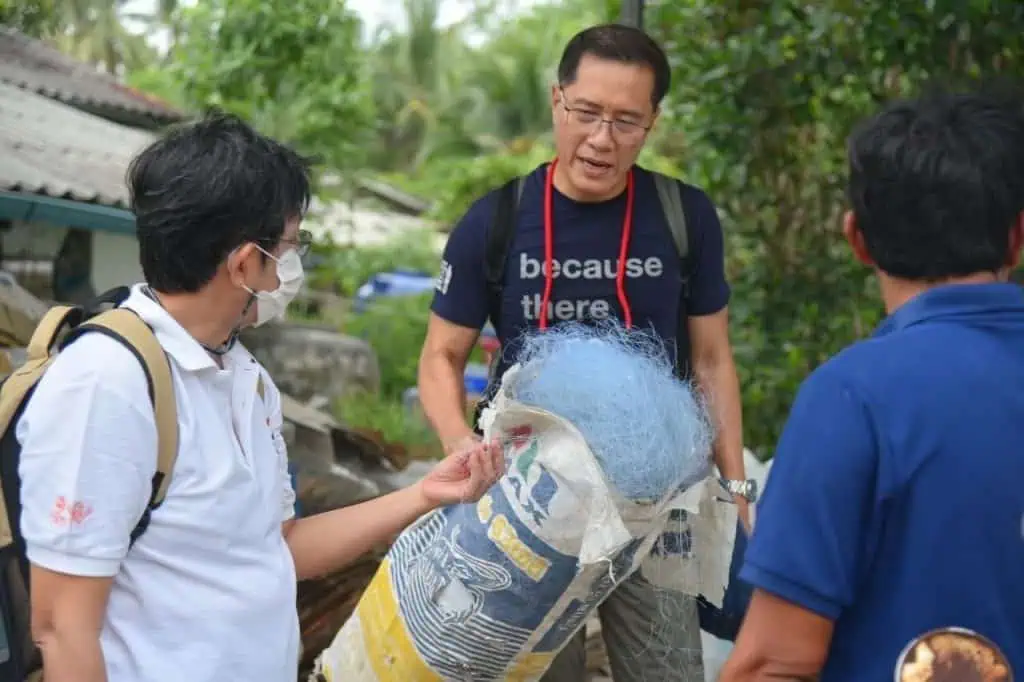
(648, 429)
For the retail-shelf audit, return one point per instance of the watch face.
(747, 489)
(952, 655)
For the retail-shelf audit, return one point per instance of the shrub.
(343, 268)
(395, 328)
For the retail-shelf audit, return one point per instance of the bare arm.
(87, 463)
(441, 385)
(353, 531)
(779, 642)
(710, 350)
(716, 374)
(67, 618)
(327, 542)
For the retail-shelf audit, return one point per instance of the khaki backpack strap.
(49, 328)
(128, 327)
(39, 349)
(24, 378)
(261, 389)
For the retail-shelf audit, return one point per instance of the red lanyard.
(620, 274)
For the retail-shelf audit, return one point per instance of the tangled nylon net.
(647, 428)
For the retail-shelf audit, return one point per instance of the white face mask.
(271, 305)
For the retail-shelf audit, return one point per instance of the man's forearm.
(721, 387)
(443, 397)
(71, 655)
(763, 669)
(330, 541)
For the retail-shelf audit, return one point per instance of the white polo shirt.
(207, 594)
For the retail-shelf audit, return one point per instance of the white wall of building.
(115, 260)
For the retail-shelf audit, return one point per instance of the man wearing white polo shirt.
(207, 593)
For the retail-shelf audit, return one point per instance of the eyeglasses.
(302, 243)
(628, 132)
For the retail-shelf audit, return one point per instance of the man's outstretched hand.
(465, 475)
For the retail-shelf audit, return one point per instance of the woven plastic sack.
(494, 590)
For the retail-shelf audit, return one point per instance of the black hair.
(937, 183)
(620, 43)
(204, 189)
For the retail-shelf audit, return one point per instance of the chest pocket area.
(236, 478)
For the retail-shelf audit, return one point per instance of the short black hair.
(204, 189)
(936, 183)
(620, 43)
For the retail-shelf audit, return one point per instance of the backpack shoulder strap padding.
(671, 197)
(670, 194)
(23, 379)
(39, 356)
(128, 328)
(499, 241)
(502, 230)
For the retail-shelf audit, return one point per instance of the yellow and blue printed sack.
(494, 590)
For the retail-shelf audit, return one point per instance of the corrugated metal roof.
(34, 65)
(50, 148)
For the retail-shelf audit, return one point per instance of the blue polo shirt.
(586, 240)
(896, 501)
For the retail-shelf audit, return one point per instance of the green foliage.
(767, 93)
(32, 17)
(441, 96)
(292, 67)
(394, 421)
(395, 327)
(468, 180)
(157, 81)
(343, 269)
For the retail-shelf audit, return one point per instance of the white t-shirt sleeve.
(89, 450)
(275, 415)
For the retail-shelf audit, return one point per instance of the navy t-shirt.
(895, 504)
(586, 239)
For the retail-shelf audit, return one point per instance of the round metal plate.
(952, 655)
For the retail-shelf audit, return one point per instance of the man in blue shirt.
(597, 208)
(895, 504)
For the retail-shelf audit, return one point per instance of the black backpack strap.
(499, 243)
(676, 210)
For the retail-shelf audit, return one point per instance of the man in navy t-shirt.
(586, 242)
(611, 80)
(895, 505)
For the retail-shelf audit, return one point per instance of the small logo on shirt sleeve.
(66, 513)
(444, 277)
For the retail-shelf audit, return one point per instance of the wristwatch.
(746, 489)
